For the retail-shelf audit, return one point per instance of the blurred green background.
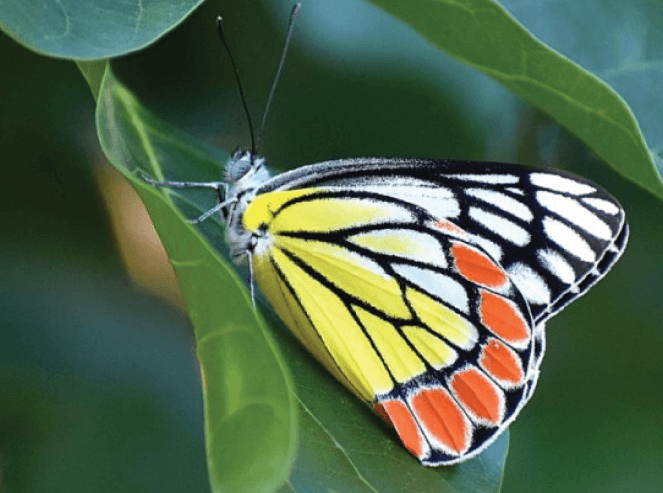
(99, 389)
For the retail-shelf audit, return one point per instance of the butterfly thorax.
(244, 174)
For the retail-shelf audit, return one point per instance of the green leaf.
(249, 415)
(484, 35)
(93, 29)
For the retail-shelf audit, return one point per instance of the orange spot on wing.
(503, 318)
(443, 418)
(478, 267)
(449, 227)
(502, 363)
(398, 414)
(481, 397)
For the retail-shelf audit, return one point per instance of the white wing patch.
(516, 191)
(404, 243)
(575, 213)
(503, 202)
(602, 205)
(500, 226)
(530, 283)
(437, 284)
(554, 263)
(438, 200)
(568, 239)
(489, 179)
(560, 184)
(491, 247)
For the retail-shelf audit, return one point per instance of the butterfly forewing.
(555, 234)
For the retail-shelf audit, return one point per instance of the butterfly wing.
(393, 276)
(556, 234)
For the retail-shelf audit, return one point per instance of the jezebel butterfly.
(422, 285)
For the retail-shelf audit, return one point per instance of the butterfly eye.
(239, 166)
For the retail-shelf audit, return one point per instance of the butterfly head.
(245, 171)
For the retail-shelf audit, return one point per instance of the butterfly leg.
(216, 185)
(249, 255)
(212, 211)
(219, 186)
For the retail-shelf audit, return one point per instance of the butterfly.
(423, 286)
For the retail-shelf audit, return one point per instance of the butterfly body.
(423, 286)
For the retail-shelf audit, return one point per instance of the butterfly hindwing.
(403, 307)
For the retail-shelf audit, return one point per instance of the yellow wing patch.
(442, 320)
(354, 274)
(415, 245)
(350, 349)
(319, 214)
(401, 360)
(262, 208)
(434, 350)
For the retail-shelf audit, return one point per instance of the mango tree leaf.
(484, 35)
(92, 29)
(250, 419)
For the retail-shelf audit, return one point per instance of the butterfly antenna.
(219, 22)
(291, 25)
